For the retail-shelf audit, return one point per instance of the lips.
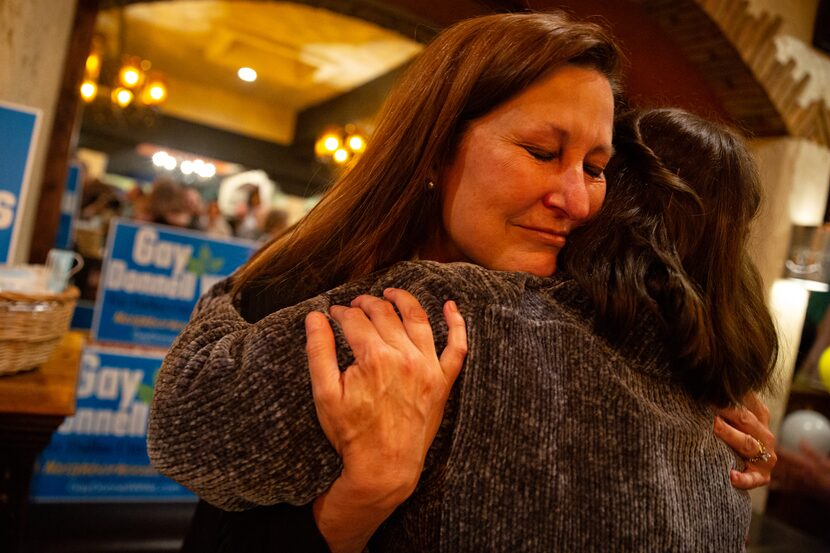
(549, 236)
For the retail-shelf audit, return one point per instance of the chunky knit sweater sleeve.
(233, 417)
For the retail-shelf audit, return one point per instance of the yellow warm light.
(356, 143)
(154, 93)
(157, 93)
(340, 155)
(88, 91)
(122, 97)
(331, 142)
(129, 76)
(247, 74)
(93, 65)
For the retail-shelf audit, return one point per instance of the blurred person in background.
(167, 204)
(250, 218)
(215, 222)
(196, 205)
(276, 222)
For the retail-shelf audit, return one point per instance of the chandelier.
(340, 145)
(126, 83)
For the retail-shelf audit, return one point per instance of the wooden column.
(64, 131)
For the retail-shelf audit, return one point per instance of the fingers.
(746, 421)
(322, 357)
(415, 319)
(452, 358)
(747, 480)
(360, 333)
(743, 443)
(757, 472)
(371, 317)
(382, 315)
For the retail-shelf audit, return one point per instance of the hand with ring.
(745, 428)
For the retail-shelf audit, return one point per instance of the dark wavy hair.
(671, 240)
(381, 211)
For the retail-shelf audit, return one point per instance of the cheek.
(596, 199)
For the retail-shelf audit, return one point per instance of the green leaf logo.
(145, 391)
(205, 262)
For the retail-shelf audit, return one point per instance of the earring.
(430, 184)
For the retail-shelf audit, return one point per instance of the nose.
(568, 193)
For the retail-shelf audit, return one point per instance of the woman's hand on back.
(745, 429)
(382, 413)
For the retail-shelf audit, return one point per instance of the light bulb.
(130, 75)
(155, 91)
(357, 143)
(159, 158)
(93, 64)
(206, 170)
(331, 143)
(247, 74)
(340, 156)
(88, 91)
(122, 97)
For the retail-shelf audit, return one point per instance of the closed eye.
(541, 155)
(594, 171)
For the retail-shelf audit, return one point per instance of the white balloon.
(810, 426)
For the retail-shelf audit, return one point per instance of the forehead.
(572, 98)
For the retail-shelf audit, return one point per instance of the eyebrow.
(604, 149)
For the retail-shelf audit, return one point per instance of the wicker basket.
(31, 326)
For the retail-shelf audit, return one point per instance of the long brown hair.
(671, 239)
(382, 211)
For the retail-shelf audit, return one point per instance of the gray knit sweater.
(552, 440)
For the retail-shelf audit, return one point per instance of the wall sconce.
(339, 146)
(120, 82)
(133, 85)
(809, 259)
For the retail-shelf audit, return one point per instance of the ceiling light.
(247, 74)
(206, 170)
(186, 167)
(159, 158)
(170, 163)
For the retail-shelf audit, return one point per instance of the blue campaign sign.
(152, 277)
(69, 206)
(100, 452)
(18, 132)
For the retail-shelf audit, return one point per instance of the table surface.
(49, 389)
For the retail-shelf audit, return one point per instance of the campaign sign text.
(152, 277)
(18, 132)
(100, 453)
